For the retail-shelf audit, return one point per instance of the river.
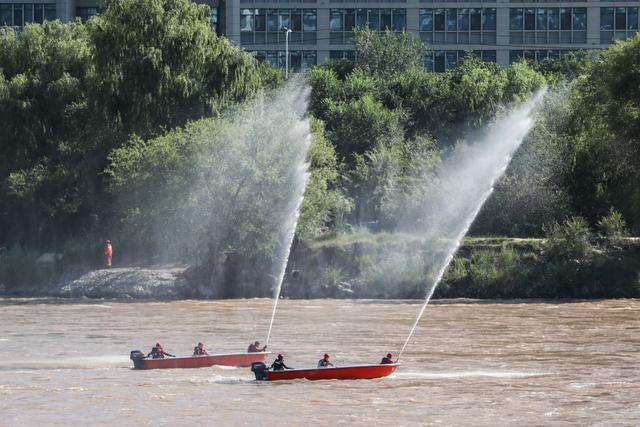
(65, 363)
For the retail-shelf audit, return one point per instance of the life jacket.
(198, 351)
(157, 353)
(323, 362)
(278, 365)
(386, 361)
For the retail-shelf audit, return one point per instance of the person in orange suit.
(108, 253)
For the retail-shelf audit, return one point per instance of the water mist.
(465, 181)
(242, 194)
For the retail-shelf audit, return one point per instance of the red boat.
(225, 359)
(353, 372)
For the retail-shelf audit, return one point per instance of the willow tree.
(44, 74)
(159, 63)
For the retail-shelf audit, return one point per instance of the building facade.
(499, 31)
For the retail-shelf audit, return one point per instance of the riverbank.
(393, 266)
(375, 265)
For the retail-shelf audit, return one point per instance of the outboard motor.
(137, 356)
(260, 370)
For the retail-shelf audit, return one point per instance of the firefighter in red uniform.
(387, 360)
(255, 348)
(324, 362)
(199, 350)
(158, 352)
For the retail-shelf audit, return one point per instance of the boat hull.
(359, 372)
(228, 359)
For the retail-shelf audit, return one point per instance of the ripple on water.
(467, 374)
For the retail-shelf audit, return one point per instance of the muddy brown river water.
(65, 363)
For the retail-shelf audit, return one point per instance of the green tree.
(325, 204)
(45, 74)
(164, 55)
(603, 135)
(388, 52)
(359, 125)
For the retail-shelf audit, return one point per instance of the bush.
(19, 268)
(613, 228)
(569, 240)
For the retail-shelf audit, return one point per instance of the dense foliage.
(72, 93)
(390, 121)
(102, 124)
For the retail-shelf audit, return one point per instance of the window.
(579, 19)
(265, 26)
(458, 26)
(476, 19)
(451, 19)
(361, 18)
(632, 18)
(541, 19)
(488, 19)
(85, 13)
(343, 21)
(246, 20)
(296, 20)
(463, 20)
(541, 25)
(516, 19)
(20, 14)
(529, 19)
(442, 60)
(272, 20)
(299, 60)
(385, 19)
(349, 19)
(309, 20)
(565, 19)
(342, 54)
(606, 18)
(426, 20)
(536, 55)
(284, 19)
(335, 20)
(398, 23)
(6, 14)
(617, 23)
(373, 19)
(438, 19)
(621, 18)
(214, 19)
(554, 18)
(488, 55)
(49, 11)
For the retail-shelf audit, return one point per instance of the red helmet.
(326, 356)
(280, 356)
(158, 345)
(389, 355)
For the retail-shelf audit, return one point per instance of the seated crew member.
(199, 350)
(324, 362)
(158, 352)
(387, 359)
(255, 348)
(278, 364)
